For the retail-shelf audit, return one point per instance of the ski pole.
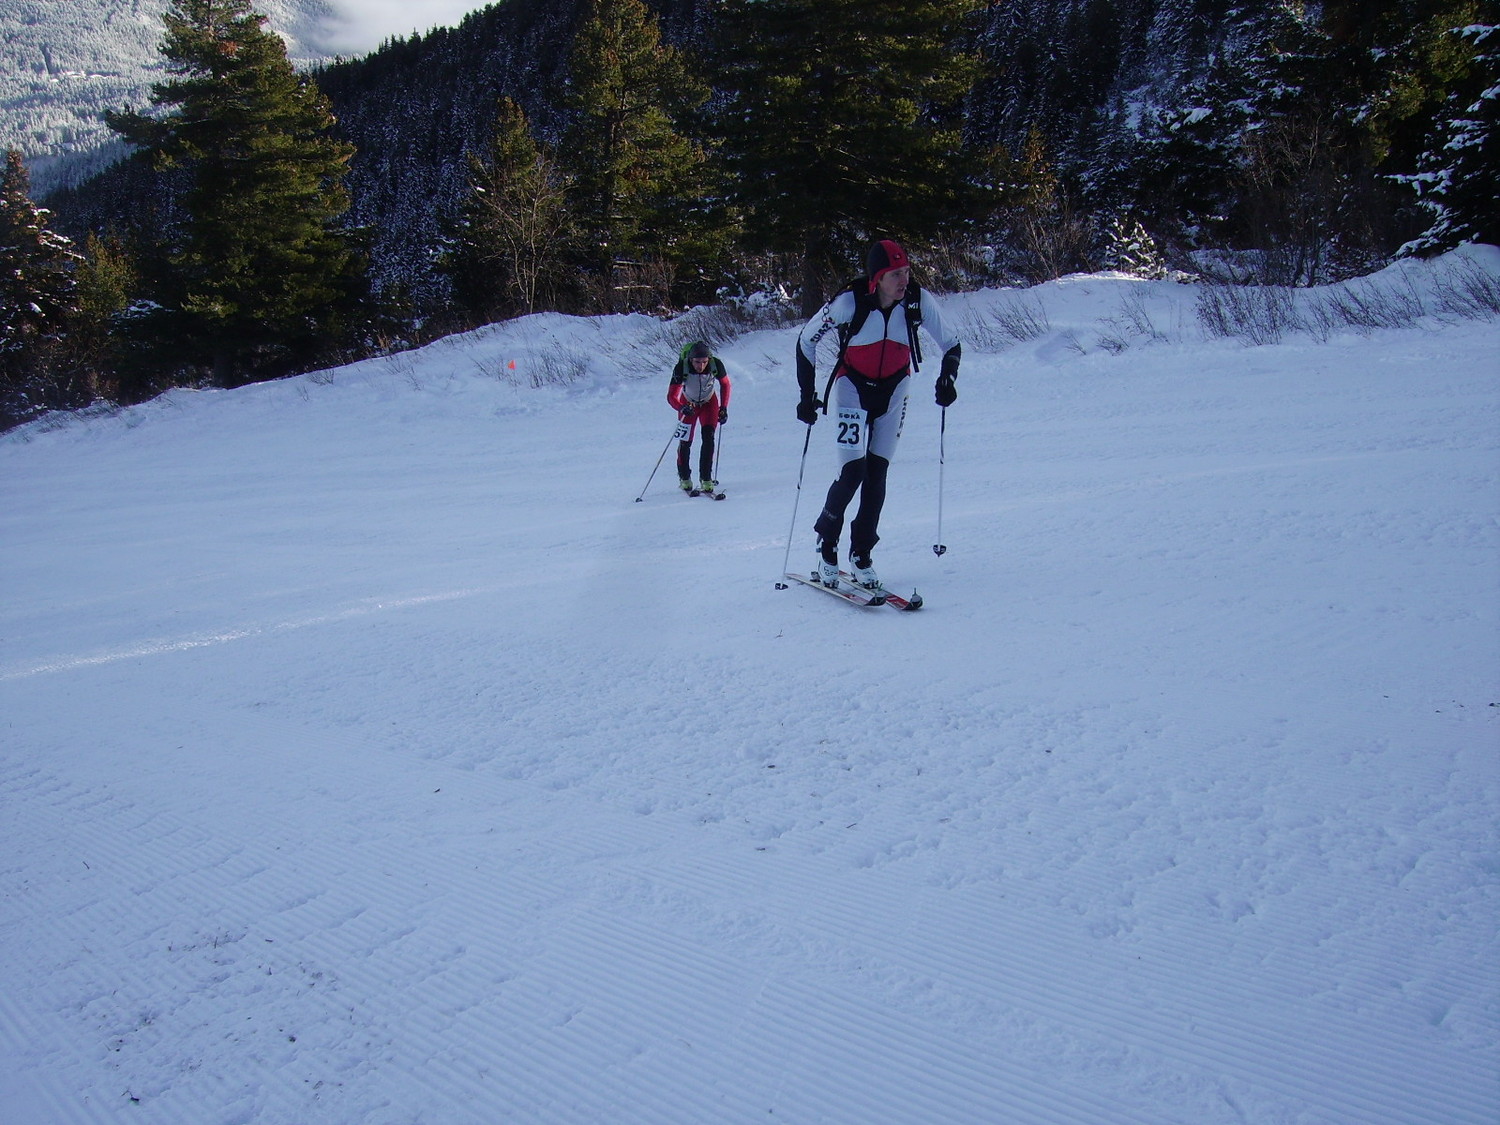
(939, 547)
(801, 468)
(718, 448)
(659, 460)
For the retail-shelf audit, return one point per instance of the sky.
(365, 24)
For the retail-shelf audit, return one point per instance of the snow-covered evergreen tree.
(38, 296)
(1459, 178)
(625, 149)
(64, 62)
(1129, 248)
(841, 122)
(260, 273)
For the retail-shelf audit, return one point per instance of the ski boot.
(827, 571)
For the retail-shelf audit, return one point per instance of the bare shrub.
(1007, 323)
(644, 286)
(557, 365)
(1261, 314)
(1055, 243)
(1367, 307)
(1320, 320)
(1289, 187)
(1113, 340)
(718, 325)
(1134, 320)
(1465, 290)
(950, 264)
(1037, 234)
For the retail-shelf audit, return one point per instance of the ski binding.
(895, 601)
(854, 595)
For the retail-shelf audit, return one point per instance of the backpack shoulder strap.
(912, 309)
(863, 303)
(913, 302)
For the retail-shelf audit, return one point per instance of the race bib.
(684, 431)
(851, 424)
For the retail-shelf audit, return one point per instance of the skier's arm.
(932, 321)
(807, 347)
(675, 397)
(937, 327)
(838, 311)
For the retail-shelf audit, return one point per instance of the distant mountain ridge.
(64, 62)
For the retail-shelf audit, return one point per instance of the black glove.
(945, 392)
(807, 410)
(723, 414)
(688, 412)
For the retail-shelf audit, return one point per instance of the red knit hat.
(884, 256)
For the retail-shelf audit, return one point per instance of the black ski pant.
(865, 475)
(705, 455)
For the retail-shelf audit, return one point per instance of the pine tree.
(1129, 248)
(107, 281)
(37, 298)
(260, 274)
(840, 122)
(1396, 61)
(629, 162)
(1389, 68)
(1177, 166)
(509, 244)
(1458, 180)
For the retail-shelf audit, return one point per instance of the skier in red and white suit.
(868, 395)
(699, 392)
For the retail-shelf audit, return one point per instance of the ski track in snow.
(370, 757)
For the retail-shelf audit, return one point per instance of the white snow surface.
(369, 755)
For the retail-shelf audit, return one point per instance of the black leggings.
(865, 475)
(705, 455)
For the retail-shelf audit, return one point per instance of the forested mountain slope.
(1262, 140)
(1068, 68)
(62, 64)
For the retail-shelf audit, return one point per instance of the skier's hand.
(945, 392)
(807, 410)
(723, 414)
(688, 413)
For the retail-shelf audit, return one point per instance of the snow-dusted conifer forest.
(64, 62)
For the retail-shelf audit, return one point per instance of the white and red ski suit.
(700, 399)
(867, 399)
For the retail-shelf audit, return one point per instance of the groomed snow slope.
(369, 756)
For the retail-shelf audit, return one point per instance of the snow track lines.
(364, 759)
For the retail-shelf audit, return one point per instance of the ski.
(895, 601)
(710, 495)
(855, 595)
